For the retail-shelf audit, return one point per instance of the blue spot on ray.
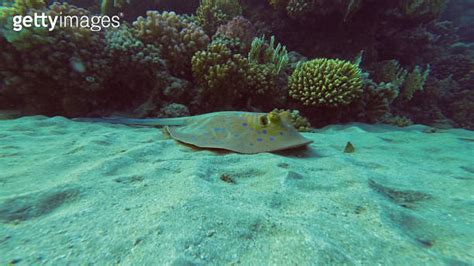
(271, 138)
(245, 124)
(264, 132)
(281, 133)
(259, 139)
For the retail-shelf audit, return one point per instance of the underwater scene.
(237, 132)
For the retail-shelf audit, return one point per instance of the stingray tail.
(178, 121)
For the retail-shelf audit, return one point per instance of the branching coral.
(374, 105)
(227, 79)
(220, 75)
(54, 64)
(176, 37)
(263, 90)
(326, 82)
(263, 53)
(137, 68)
(213, 13)
(239, 29)
(388, 71)
(20, 7)
(110, 7)
(414, 82)
(71, 71)
(27, 37)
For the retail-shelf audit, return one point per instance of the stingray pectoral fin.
(187, 138)
(300, 143)
(182, 135)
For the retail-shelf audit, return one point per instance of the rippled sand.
(82, 193)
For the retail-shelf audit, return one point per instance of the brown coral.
(238, 28)
(177, 38)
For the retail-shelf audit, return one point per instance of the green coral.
(414, 82)
(20, 7)
(227, 79)
(263, 53)
(260, 80)
(9, 8)
(389, 71)
(31, 37)
(176, 37)
(326, 82)
(219, 75)
(72, 71)
(213, 13)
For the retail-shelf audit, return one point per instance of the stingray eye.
(274, 117)
(263, 120)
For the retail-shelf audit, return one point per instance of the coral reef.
(375, 102)
(174, 110)
(213, 13)
(74, 71)
(44, 67)
(177, 38)
(414, 82)
(326, 82)
(263, 53)
(220, 76)
(229, 80)
(239, 29)
(415, 66)
(388, 71)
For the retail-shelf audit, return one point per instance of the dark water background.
(440, 45)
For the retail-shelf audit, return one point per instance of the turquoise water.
(350, 139)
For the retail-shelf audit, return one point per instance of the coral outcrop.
(220, 75)
(177, 38)
(240, 30)
(43, 67)
(326, 82)
(229, 80)
(213, 13)
(262, 52)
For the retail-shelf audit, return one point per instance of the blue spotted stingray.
(242, 132)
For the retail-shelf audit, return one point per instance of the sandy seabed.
(85, 193)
